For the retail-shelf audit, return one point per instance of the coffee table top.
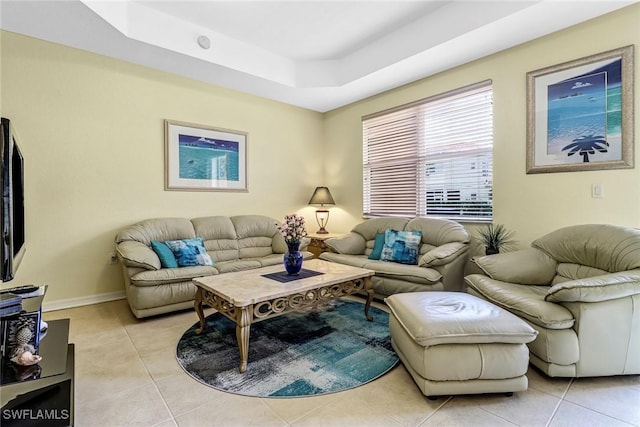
(243, 288)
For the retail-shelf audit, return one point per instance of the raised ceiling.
(315, 54)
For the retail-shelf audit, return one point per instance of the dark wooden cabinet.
(48, 400)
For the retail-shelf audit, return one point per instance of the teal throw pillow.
(190, 252)
(167, 259)
(377, 247)
(401, 246)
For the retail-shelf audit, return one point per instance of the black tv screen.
(13, 225)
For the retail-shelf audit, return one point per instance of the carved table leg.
(243, 327)
(198, 306)
(369, 289)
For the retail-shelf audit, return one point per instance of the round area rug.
(326, 349)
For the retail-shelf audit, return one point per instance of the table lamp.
(322, 196)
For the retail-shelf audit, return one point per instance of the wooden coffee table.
(248, 297)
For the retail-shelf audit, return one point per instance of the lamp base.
(322, 216)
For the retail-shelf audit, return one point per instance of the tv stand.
(48, 400)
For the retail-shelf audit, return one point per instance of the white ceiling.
(315, 54)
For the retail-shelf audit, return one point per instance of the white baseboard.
(80, 301)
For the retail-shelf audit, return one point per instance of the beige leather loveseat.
(234, 243)
(441, 260)
(579, 287)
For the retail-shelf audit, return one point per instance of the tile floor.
(127, 375)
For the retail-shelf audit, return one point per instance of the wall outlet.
(113, 258)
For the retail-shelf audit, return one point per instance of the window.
(432, 157)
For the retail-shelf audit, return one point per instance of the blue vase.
(293, 258)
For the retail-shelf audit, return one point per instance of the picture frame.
(580, 114)
(204, 158)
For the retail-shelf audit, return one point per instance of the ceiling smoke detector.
(204, 42)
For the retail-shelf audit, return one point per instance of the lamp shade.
(322, 196)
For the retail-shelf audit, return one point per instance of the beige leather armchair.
(579, 287)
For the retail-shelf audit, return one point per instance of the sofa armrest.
(444, 254)
(523, 267)
(137, 254)
(350, 244)
(597, 288)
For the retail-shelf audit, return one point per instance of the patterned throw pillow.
(167, 259)
(189, 252)
(401, 246)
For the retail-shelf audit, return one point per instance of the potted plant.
(495, 237)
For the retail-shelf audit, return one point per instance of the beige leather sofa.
(441, 261)
(234, 243)
(579, 287)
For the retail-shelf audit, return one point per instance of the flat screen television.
(13, 225)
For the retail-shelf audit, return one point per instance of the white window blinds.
(431, 158)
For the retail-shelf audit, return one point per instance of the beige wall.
(91, 131)
(531, 205)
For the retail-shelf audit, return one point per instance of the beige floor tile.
(291, 410)
(571, 415)
(553, 386)
(167, 423)
(526, 408)
(462, 413)
(351, 408)
(162, 363)
(133, 406)
(98, 374)
(397, 395)
(231, 411)
(149, 338)
(183, 393)
(612, 396)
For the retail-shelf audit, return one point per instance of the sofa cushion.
(437, 232)
(599, 288)
(351, 244)
(442, 255)
(369, 228)
(239, 265)
(525, 301)
(376, 252)
(401, 246)
(189, 252)
(352, 260)
(410, 273)
(606, 247)
(570, 271)
(214, 228)
(171, 275)
(137, 254)
(435, 318)
(164, 252)
(159, 229)
(524, 267)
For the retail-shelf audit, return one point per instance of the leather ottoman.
(456, 343)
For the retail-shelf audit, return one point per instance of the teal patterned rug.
(326, 349)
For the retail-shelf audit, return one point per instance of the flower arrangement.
(293, 229)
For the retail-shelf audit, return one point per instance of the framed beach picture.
(580, 114)
(204, 158)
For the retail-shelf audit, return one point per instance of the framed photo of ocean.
(204, 158)
(580, 114)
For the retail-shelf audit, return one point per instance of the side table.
(317, 245)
